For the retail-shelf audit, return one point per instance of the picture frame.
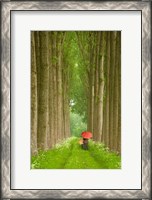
(7, 138)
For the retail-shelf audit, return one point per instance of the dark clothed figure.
(85, 144)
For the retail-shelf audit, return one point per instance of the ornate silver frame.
(145, 8)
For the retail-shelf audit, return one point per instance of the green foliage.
(77, 74)
(77, 125)
(70, 155)
(54, 158)
(101, 153)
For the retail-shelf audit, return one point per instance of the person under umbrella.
(86, 136)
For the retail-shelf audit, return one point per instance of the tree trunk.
(115, 103)
(119, 94)
(96, 85)
(111, 96)
(59, 87)
(51, 137)
(43, 96)
(54, 71)
(101, 83)
(33, 97)
(106, 108)
(91, 79)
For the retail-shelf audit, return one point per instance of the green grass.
(70, 155)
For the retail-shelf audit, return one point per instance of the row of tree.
(78, 72)
(101, 53)
(50, 117)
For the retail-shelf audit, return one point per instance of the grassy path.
(70, 155)
(81, 159)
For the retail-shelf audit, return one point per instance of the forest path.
(81, 159)
(70, 155)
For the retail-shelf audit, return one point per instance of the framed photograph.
(75, 80)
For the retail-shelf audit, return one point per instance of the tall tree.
(111, 86)
(33, 96)
(116, 100)
(106, 121)
(43, 96)
(101, 82)
(119, 93)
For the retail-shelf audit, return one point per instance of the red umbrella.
(86, 134)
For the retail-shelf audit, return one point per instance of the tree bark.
(43, 96)
(106, 108)
(91, 79)
(119, 94)
(111, 97)
(101, 83)
(33, 97)
(96, 85)
(115, 103)
(51, 137)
